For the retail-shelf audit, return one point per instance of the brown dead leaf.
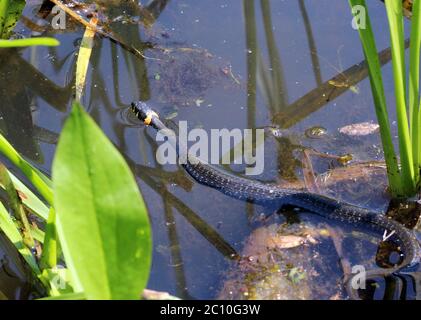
(360, 129)
(284, 242)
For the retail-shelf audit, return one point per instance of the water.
(213, 75)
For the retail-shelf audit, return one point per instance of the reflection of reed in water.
(21, 86)
(251, 43)
(274, 83)
(311, 43)
(270, 78)
(322, 95)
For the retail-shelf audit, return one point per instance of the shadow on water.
(247, 73)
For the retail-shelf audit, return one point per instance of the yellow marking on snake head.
(149, 116)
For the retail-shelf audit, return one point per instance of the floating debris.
(182, 75)
(316, 132)
(199, 102)
(360, 129)
(276, 132)
(296, 275)
(345, 159)
(285, 242)
(344, 84)
(227, 70)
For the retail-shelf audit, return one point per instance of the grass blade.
(49, 250)
(414, 86)
(395, 17)
(17, 207)
(41, 182)
(9, 228)
(29, 199)
(370, 53)
(30, 42)
(83, 58)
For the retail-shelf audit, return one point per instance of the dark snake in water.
(268, 194)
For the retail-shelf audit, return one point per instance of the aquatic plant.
(404, 177)
(96, 219)
(40, 41)
(10, 12)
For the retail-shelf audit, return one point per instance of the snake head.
(143, 112)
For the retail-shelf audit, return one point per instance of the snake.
(270, 194)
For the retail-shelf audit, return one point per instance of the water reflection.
(20, 84)
(174, 72)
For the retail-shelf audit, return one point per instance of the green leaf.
(40, 181)
(414, 85)
(49, 251)
(377, 89)
(102, 221)
(10, 12)
(29, 199)
(16, 206)
(29, 42)
(395, 18)
(9, 228)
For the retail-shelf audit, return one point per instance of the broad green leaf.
(102, 222)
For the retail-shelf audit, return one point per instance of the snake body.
(268, 194)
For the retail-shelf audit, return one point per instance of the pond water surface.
(217, 64)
